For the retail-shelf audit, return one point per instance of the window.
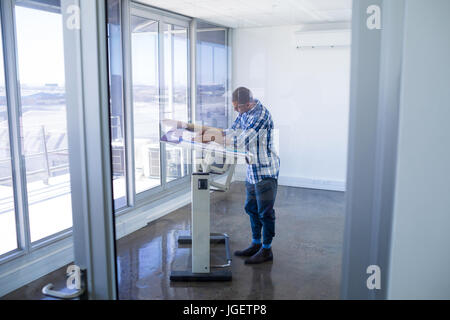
(176, 94)
(146, 102)
(35, 195)
(212, 75)
(149, 81)
(44, 145)
(8, 233)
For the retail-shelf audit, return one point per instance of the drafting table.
(201, 237)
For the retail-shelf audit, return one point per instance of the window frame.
(129, 9)
(62, 234)
(7, 63)
(14, 106)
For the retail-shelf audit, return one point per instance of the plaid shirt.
(253, 131)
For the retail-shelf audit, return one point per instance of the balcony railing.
(47, 169)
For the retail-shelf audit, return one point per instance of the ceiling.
(260, 13)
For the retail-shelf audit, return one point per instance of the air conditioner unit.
(323, 39)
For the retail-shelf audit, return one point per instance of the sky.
(41, 53)
(40, 47)
(144, 56)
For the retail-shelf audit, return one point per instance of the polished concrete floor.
(307, 252)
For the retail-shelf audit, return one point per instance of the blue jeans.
(259, 206)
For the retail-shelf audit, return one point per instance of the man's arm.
(205, 134)
(175, 124)
(224, 137)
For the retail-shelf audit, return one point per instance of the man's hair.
(242, 95)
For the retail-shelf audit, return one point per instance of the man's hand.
(209, 135)
(213, 134)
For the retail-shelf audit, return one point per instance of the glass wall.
(157, 68)
(212, 76)
(151, 52)
(43, 129)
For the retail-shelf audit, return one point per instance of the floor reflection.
(262, 287)
(307, 251)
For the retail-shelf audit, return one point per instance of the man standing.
(253, 128)
(252, 131)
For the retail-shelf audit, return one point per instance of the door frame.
(88, 124)
(377, 59)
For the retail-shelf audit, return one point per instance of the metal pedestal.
(201, 238)
(216, 275)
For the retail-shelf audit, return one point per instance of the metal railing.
(48, 168)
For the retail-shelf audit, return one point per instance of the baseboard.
(299, 182)
(139, 218)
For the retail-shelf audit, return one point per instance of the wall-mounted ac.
(323, 39)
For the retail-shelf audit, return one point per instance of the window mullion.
(229, 115)
(193, 81)
(14, 115)
(128, 100)
(189, 93)
(162, 96)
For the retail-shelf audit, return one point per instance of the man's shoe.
(261, 256)
(250, 251)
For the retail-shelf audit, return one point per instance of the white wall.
(420, 253)
(307, 92)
